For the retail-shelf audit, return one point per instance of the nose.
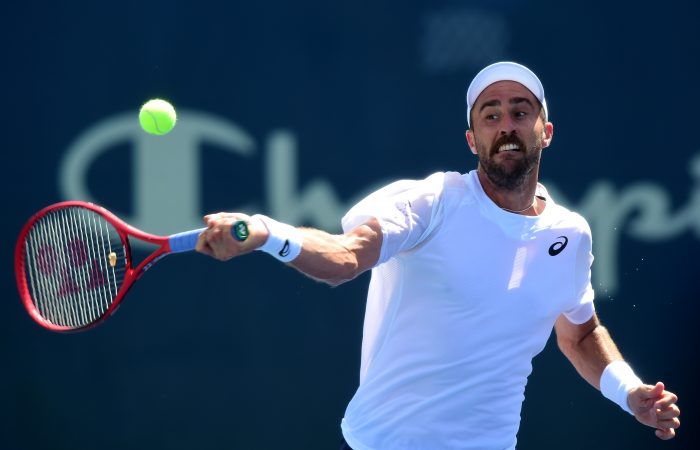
(507, 126)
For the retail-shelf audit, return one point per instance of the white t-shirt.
(463, 296)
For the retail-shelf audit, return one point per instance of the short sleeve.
(406, 210)
(583, 289)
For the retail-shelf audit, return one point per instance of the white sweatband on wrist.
(616, 382)
(283, 242)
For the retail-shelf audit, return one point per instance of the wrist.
(617, 380)
(283, 241)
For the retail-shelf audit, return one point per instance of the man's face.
(508, 133)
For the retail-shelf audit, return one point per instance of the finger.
(203, 247)
(216, 217)
(214, 234)
(199, 245)
(667, 399)
(212, 220)
(221, 253)
(666, 433)
(668, 412)
(223, 215)
(223, 233)
(670, 423)
(208, 218)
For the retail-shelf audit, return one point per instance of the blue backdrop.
(296, 109)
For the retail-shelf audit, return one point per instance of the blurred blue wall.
(296, 109)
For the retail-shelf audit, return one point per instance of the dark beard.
(513, 178)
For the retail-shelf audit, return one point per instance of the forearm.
(334, 259)
(326, 257)
(590, 353)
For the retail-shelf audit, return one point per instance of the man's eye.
(520, 114)
(491, 116)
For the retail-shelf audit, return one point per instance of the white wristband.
(616, 382)
(283, 242)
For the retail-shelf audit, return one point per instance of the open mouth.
(508, 148)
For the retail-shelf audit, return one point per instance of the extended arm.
(588, 347)
(591, 350)
(326, 257)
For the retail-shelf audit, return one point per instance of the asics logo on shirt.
(558, 246)
(285, 249)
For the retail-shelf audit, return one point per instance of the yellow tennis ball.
(157, 117)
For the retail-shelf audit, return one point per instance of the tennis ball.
(157, 117)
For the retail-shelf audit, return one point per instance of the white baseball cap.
(504, 71)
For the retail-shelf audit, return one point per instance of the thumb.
(648, 391)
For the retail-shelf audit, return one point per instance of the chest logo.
(558, 246)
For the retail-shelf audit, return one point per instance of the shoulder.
(572, 224)
(443, 180)
(433, 184)
(563, 217)
(396, 198)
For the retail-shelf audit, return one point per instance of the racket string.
(68, 283)
(85, 306)
(51, 284)
(107, 291)
(62, 313)
(75, 265)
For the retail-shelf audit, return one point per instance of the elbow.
(349, 273)
(572, 344)
(567, 346)
(334, 282)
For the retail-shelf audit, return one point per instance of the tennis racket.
(73, 262)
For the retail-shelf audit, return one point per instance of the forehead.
(504, 91)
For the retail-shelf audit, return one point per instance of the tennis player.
(470, 272)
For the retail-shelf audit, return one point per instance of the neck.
(520, 200)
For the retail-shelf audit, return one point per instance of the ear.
(548, 132)
(471, 141)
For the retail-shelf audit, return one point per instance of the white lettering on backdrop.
(166, 191)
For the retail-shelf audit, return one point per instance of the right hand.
(217, 241)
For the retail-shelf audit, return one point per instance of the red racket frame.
(131, 273)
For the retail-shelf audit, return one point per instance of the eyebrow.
(512, 101)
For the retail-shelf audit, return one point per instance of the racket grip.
(187, 240)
